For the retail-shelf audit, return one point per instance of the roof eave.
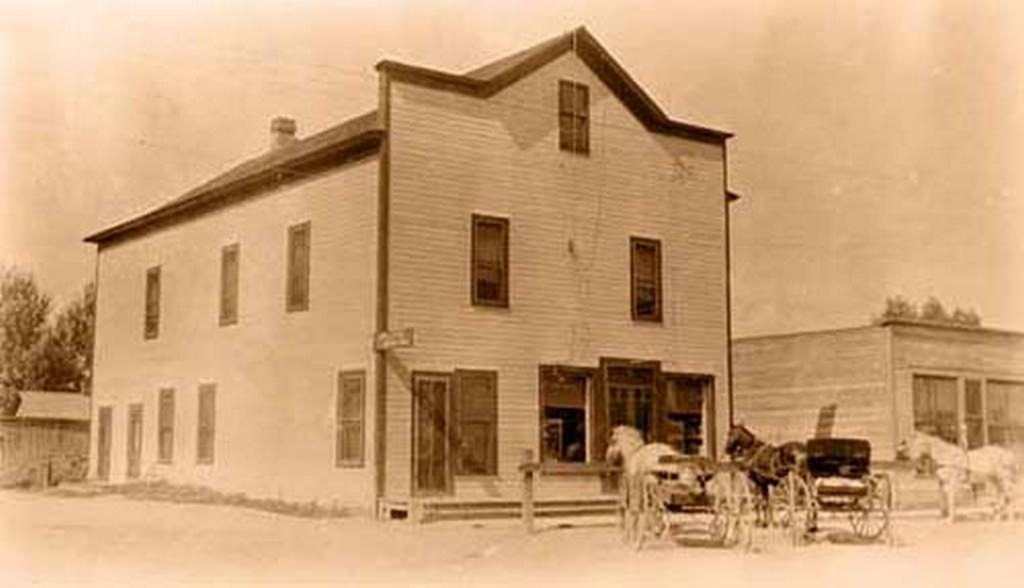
(363, 144)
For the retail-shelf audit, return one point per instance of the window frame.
(458, 421)
(505, 270)
(706, 384)
(207, 390)
(574, 135)
(998, 427)
(151, 304)
(344, 422)
(933, 421)
(634, 244)
(165, 424)
(298, 273)
(588, 376)
(229, 284)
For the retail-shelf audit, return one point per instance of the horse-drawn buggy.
(838, 479)
(663, 492)
(798, 481)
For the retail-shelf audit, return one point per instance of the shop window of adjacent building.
(475, 419)
(490, 266)
(935, 407)
(297, 287)
(974, 415)
(565, 414)
(350, 414)
(151, 328)
(207, 423)
(645, 269)
(688, 414)
(573, 117)
(1004, 403)
(229, 260)
(165, 426)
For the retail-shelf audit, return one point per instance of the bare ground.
(111, 540)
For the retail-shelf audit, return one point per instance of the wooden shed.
(47, 441)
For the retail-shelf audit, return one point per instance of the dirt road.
(110, 540)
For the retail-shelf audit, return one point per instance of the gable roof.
(349, 140)
(361, 136)
(491, 78)
(64, 406)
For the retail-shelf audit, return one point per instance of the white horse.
(955, 466)
(626, 447)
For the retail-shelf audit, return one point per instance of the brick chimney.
(282, 132)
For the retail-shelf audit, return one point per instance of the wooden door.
(631, 397)
(134, 441)
(431, 459)
(103, 444)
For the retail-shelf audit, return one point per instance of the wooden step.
(439, 511)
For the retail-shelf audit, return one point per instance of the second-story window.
(297, 295)
(229, 285)
(490, 270)
(645, 266)
(152, 321)
(573, 117)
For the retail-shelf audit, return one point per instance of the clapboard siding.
(782, 383)
(571, 218)
(275, 371)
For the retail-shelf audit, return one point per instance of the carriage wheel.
(870, 519)
(792, 506)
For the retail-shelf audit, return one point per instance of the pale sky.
(878, 144)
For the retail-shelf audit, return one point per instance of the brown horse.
(765, 464)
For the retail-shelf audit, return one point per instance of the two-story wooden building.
(390, 311)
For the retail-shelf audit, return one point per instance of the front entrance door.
(103, 444)
(631, 398)
(134, 440)
(431, 462)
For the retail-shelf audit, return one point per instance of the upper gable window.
(573, 117)
(490, 261)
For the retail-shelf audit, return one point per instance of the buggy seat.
(838, 458)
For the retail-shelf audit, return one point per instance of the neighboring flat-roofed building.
(881, 382)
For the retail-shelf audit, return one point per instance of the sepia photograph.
(723, 293)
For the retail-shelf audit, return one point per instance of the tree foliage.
(64, 358)
(37, 353)
(23, 313)
(931, 312)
